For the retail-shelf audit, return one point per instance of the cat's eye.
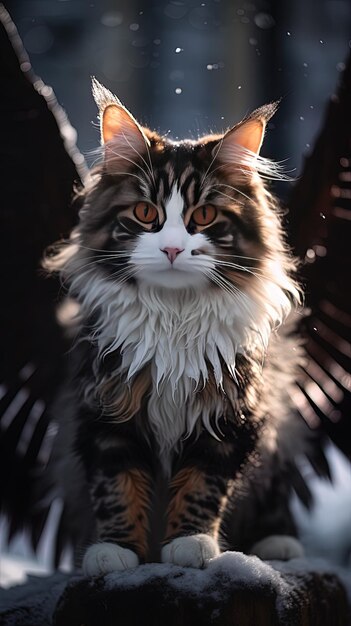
(145, 213)
(204, 215)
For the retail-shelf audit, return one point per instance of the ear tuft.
(241, 144)
(124, 138)
(249, 133)
(102, 96)
(264, 112)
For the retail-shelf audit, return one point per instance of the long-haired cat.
(181, 274)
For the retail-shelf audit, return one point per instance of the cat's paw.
(102, 558)
(282, 547)
(192, 551)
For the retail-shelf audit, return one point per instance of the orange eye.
(204, 215)
(145, 212)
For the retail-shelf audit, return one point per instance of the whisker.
(210, 165)
(244, 268)
(83, 267)
(110, 257)
(149, 167)
(99, 257)
(123, 270)
(122, 156)
(217, 280)
(100, 250)
(92, 260)
(221, 193)
(132, 273)
(228, 286)
(236, 256)
(122, 277)
(240, 297)
(230, 186)
(130, 174)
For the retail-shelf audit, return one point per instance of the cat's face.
(177, 215)
(178, 225)
(174, 250)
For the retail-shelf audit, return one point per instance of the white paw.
(102, 558)
(193, 551)
(283, 547)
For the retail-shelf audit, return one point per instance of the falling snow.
(264, 20)
(215, 66)
(112, 19)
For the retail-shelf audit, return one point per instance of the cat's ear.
(241, 144)
(121, 135)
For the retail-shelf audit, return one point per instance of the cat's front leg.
(120, 488)
(199, 493)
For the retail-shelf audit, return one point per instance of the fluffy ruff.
(186, 336)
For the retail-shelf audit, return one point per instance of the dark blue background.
(234, 56)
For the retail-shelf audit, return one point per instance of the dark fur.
(114, 440)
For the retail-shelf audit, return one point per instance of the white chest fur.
(181, 334)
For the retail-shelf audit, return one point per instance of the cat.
(180, 275)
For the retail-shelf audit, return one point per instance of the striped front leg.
(121, 501)
(194, 516)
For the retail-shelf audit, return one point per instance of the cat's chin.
(172, 279)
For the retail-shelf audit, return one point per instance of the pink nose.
(172, 253)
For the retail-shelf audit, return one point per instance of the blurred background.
(185, 67)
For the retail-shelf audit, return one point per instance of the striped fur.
(176, 349)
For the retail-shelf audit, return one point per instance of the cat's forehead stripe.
(185, 175)
(164, 182)
(174, 205)
(190, 191)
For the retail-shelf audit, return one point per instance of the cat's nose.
(172, 253)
